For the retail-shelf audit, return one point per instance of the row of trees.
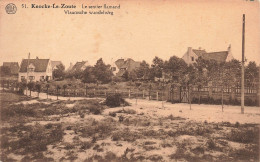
(201, 73)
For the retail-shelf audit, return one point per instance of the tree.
(190, 80)
(143, 71)
(76, 74)
(47, 88)
(30, 86)
(157, 68)
(22, 86)
(251, 73)
(57, 91)
(38, 88)
(102, 72)
(59, 72)
(88, 75)
(201, 74)
(132, 75)
(126, 75)
(64, 89)
(176, 67)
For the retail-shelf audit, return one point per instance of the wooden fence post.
(129, 93)
(157, 96)
(143, 94)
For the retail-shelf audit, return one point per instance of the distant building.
(13, 66)
(126, 65)
(54, 64)
(79, 66)
(35, 69)
(192, 54)
(114, 68)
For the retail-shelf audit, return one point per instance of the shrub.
(69, 146)
(115, 100)
(18, 110)
(102, 129)
(125, 135)
(96, 109)
(113, 114)
(82, 115)
(36, 138)
(86, 145)
(211, 144)
(250, 102)
(244, 135)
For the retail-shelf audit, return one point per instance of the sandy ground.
(202, 112)
(156, 131)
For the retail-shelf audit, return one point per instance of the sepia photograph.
(129, 80)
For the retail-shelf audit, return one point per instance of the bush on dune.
(115, 100)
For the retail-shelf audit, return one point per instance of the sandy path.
(202, 112)
(211, 113)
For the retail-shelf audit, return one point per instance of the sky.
(139, 29)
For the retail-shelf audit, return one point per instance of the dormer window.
(31, 68)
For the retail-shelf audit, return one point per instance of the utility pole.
(243, 68)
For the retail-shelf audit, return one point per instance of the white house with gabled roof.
(35, 70)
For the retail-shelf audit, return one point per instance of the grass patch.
(244, 135)
(32, 139)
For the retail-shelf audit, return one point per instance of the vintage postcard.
(129, 80)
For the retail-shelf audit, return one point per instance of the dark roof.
(120, 62)
(40, 64)
(78, 66)
(218, 56)
(198, 52)
(120, 73)
(14, 67)
(55, 63)
(130, 64)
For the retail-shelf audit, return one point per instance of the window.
(31, 77)
(113, 68)
(31, 69)
(42, 78)
(192, 58)
(22, 78)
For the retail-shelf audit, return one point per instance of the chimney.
(37, 57)
(189, 50)
(229, 48)
(199, 48)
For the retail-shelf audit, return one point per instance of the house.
(54, 64)
(126, 65)
(222, 56)
(35, 70)
(79, 66)
(13, 66)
